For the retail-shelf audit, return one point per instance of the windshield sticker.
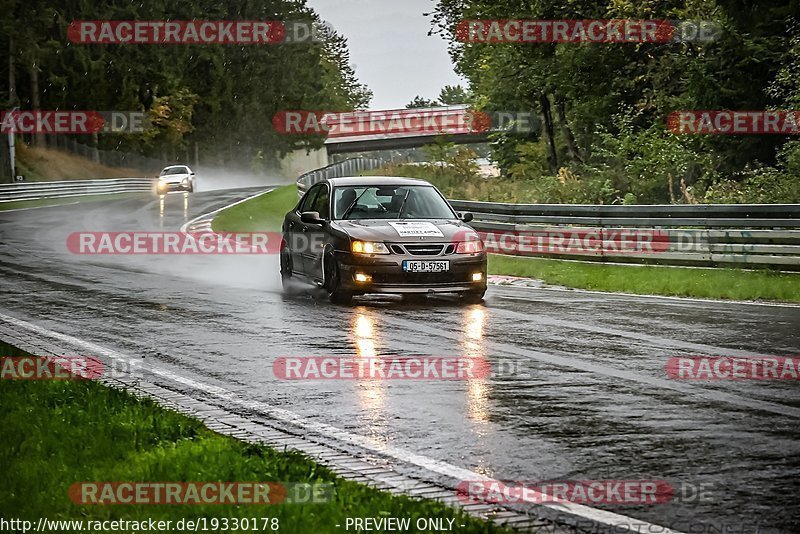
(416, 229)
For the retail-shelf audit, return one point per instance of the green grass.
(652, 280)
(59, 201)
(56, 433)
(261, 214)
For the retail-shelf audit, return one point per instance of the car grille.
(420, 249)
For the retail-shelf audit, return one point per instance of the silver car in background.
(176, 178)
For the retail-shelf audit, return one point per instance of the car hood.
(406, 230)
(172, 178)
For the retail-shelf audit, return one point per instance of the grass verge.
(734, 284)
(38, 164)
(42, 202)
(263, 213)
(56, 433)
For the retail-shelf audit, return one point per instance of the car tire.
(333, 282)
(286, 271)
(191, 188)
(474, 297)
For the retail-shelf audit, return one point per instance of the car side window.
(321, 202)
(308, 200)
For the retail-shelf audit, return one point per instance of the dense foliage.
(604, 106)
(219, 97)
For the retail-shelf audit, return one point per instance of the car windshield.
(175, 170)
(390, 202)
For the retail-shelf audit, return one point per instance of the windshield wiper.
(403, 205)
(353, 205)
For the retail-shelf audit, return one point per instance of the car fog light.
(361, 277)
(477, 277)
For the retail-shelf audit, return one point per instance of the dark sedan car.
(381, 235)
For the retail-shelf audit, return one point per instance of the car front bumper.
(386, 275)
(164, 187)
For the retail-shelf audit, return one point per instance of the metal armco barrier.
(348, 167)
(712, 235)
(73, 188)
(717, 235)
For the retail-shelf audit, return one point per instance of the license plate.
(411, 266)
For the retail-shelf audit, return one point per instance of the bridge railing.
(714, 235)
(73, 188)
(348, 167)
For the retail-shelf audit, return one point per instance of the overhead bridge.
(362, 131)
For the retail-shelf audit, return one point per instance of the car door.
(317, 234)
(296, 230)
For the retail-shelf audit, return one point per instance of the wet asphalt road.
(588, 397)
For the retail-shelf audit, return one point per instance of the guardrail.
(72, 188)
(763, 235)
(713, 235)
(348, 167)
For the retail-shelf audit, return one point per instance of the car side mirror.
(311, 217)
(192, 174)
(466, 216)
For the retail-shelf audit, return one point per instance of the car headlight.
(469, 247)
(185, 181)
(368, 247)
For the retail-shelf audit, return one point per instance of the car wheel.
(191, 188)
(474, 297)
(333, 282)
(286, 270)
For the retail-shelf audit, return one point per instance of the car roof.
(173, 166)
(355, 181)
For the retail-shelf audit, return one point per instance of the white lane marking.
(607, 370)
(38, 207)
(575, 511)
(186, 225)
(62, 204)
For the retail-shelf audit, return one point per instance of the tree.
(580, 90)
(419, 102)
(227, 95)
(451, 95)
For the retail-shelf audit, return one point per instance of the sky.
(390, 49)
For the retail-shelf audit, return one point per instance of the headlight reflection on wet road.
(472, 346)
(371, 393)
